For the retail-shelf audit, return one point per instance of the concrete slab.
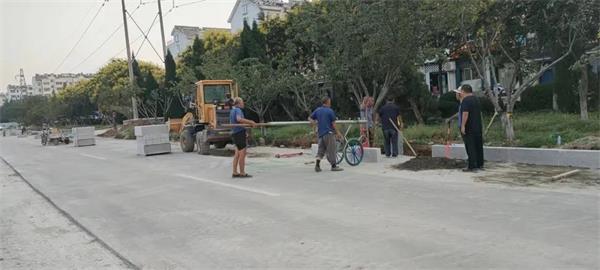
(152, 140)
(83, 136)
(151, 130)
(153, 149)
(371, 155)
(537, 156)
(84, 142)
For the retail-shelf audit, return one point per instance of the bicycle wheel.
(339, 151)
(353, 152)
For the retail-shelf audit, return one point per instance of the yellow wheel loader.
(202, 125)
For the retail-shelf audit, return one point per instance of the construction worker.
(388, 115)
(239, 138)
(469, 121)
(324, 117)
(366, 113)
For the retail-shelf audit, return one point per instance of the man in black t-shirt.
(387, 114)
(469, 121)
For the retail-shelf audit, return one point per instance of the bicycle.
(351, 150)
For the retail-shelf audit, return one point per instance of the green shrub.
(447, 104)
(536, 98)
(487, 107)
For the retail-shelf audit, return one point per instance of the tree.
(256, 86)
(76, 98)
(168, 93)
(365, 44)
(191, 58)
(148, 103)
(12, 111)
(584, 16)
(137, 72)
(499, 39)
(582, 65)
(252, 43)
(111, 90)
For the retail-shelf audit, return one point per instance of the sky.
(37, 35)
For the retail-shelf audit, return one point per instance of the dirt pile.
(585, 143)
(431, 163)
(537, 175)
(108, 133)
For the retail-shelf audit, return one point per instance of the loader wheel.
(203, 144)
(67, 141)
(186, 141)
(220, 145)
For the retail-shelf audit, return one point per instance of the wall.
(237, 21)
(475, 84)
(179, 44)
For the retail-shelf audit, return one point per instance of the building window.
(467, 74)
(245, 9)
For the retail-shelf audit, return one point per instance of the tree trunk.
(507, 123)
(415, 108)
(554, 101)
(261, 119)
(583, 92)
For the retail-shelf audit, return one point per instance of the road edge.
(65, 214)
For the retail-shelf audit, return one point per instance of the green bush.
(536, 98)
(447, 104)
(487, 107)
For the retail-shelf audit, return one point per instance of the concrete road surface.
(183, 211)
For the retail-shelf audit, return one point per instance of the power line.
(164, 16)
(108, 38)
(82, 35)
(145, 36)
(190, 3)
(98, 48)
(123, 49)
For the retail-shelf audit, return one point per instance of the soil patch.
(109, 133)
(585, 143)
(431, 163)
(421, 149)
(529, 175)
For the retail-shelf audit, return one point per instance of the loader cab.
(213, 101)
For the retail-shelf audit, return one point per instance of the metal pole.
(129, 62)
(162, 30)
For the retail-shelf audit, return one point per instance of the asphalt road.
(183, 211)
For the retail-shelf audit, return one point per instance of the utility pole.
(129, 62)
(162, 30)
